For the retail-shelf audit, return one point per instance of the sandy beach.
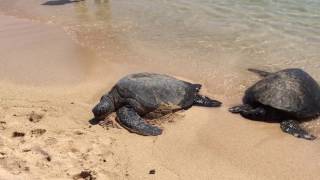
(50, 80)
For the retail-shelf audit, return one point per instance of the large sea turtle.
(288, 96)
(148, 94)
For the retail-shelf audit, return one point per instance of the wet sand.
(60, 81)
(37, 54)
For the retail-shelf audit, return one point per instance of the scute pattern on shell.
(156, 92)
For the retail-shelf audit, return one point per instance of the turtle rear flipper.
(130, 119)
(292, 127)
(259, 72)
(205, 101)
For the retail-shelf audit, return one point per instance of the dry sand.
(48, 85)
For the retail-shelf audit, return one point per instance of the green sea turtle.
(148, 94)
(288, 96)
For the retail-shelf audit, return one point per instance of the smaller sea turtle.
(288, 96)
(148, 94)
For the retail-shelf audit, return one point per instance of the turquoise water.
(209, 41)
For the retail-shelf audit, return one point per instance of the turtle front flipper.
(292, 127)
(250, 112)
(130, 119)
(200, 100)
(239, 108)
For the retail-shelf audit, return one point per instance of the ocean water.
(209, 41)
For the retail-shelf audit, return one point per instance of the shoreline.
(201, 143)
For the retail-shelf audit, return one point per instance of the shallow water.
(209, 41)
(36, 54)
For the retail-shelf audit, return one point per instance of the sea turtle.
(149, 95)
(287, 96)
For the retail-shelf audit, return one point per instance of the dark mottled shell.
(290, 90)
(157, 91)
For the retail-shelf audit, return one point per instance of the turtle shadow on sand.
(289, 96)
(148, 95)
(60, 2)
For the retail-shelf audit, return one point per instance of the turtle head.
(103, 108)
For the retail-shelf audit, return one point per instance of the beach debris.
(18, 166)
(168, 118)
(86, 175)
(109, 123)
(18, 134)
(50, 141)
(26, 150)
(152, 171)
(48, 158)
(77, 132)
(3, 155)
(26, 168)
(37, 132)
(43, 152)
(35, 117)
(3, 125)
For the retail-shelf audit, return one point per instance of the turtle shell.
(156, 91)
(290, 90)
